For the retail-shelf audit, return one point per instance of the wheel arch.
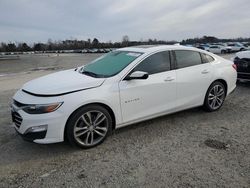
(222, 81)
(205, 104)
(108, 108)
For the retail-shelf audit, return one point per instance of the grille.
(17, 119)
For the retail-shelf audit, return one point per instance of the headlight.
(41, 108)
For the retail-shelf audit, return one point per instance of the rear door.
(156, 94)
(193, 77)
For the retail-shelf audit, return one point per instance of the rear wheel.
(89, 126)
(215, 97)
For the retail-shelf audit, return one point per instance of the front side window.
(110, 64)
(155, 63)
(186, 58)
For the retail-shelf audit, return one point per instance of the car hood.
(61, 83)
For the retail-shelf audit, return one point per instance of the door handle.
(205, 71)
(169, 79)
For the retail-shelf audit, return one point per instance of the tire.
(223, 51)
(214, 98)
(89, 126)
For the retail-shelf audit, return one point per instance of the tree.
(125, 40)
(150, 41)
(11, 47)
(209, 39)
(95, 43)
(39, 47)
(24, 47)
(3, 47)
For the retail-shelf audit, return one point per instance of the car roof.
(154, 48)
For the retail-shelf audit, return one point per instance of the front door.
(156, 94)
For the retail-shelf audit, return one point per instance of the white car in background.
(123, 87)
(203, 47)
(246, 45)
(236, 47)
(218, 49)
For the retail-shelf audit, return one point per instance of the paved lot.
(178, 150)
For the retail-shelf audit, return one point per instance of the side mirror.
(137, 75)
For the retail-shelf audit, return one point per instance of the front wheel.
(89, 126)
(215, 97)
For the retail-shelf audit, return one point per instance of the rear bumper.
(243, 76)
(231, 90)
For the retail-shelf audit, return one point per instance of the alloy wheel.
(91, 128)
(216, 97)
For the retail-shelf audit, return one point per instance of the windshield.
(110, 64)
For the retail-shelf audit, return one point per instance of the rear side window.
(207, 58)
(155, 63)
(186, 58)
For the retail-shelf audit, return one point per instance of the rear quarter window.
(206, 58)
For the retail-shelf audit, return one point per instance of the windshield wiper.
(92, 74)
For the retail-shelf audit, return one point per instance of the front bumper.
(31, 136)
(31, 127)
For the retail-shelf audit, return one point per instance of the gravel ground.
(186, 149)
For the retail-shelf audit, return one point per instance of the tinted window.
(206, 58)
(186, 58)
(155, 63)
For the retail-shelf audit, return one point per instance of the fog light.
(36, 129)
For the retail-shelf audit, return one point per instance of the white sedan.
(123, 87)
(218, 49)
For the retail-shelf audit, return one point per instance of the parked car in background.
(218, 49)
(84, 51)
(203, 47)
(237, 47)
(242, 61)
(101, 51)
(247, 45)
(123, 87)
(224, 45)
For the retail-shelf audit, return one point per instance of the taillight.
(234, 66)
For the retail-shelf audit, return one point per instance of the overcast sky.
(37, 20)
